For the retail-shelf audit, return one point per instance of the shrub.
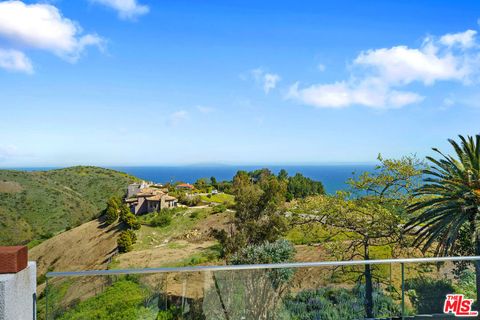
(171, 314)
(279, 251)
(111, 213)
(189, 200)
(275, 252)
(247, 299)
(131, 221)
(124, 299)
(425, 293)
(466, 283)
(220, 208)
(124, 212)
(126, 240)
(132, 235)
(161, 219)
(338, 303)
(194, 215)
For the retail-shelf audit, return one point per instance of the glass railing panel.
(349, 290)
(428, 284)
(103, 297)
(185, 293)
(247, 294)
(341, 293)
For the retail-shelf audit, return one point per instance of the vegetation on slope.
(123, 300)
(35, 205)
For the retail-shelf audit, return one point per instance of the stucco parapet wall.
(18, 294)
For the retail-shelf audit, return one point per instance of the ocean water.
(333, 177)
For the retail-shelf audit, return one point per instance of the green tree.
(365, 223)
(393, 181)
(449, 201)
(257, 175)
(283, 175)
(213, 182)
(302, 187)
(124, 211)
(126, 240)
(112, 210)
(131, 221)
(259, 215)
(201, 184)
(369, 215)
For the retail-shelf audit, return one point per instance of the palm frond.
(449, 197)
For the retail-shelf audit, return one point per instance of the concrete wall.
(18, 294)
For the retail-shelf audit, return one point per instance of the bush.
(131, 221)
(425, 293)
(189, 200)
(161, 219)
(220, 208)
(171, 314)
(338, 303)
(194, 215)
(124, 212)
(126, 240)
(466, 283)
(124, 299)
(111, 213)
(247, 298)
(276, 252)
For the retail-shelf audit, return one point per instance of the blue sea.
(333, 177)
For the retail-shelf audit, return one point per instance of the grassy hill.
(35, 205)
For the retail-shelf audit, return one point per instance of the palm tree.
(449, 201)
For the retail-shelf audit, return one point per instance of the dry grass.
(89, 246)
(10, 187)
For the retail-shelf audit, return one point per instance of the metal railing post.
(403, 289)
(46, 299)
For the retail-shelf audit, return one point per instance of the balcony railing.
(400, 288)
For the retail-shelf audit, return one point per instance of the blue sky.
(124, 82)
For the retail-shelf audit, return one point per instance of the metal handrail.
(255, 266)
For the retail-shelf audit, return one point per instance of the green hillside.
(36, 204)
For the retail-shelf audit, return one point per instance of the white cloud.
(42, 26)
(378, 74)
(268, 81)
(463, 39)
(343, 94)
(403, 65)
(127, 9)
(14, 60)
(321, 67)
(177, 117)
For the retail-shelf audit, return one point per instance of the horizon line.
(200, 165)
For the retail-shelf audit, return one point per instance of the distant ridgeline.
(35, 205)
